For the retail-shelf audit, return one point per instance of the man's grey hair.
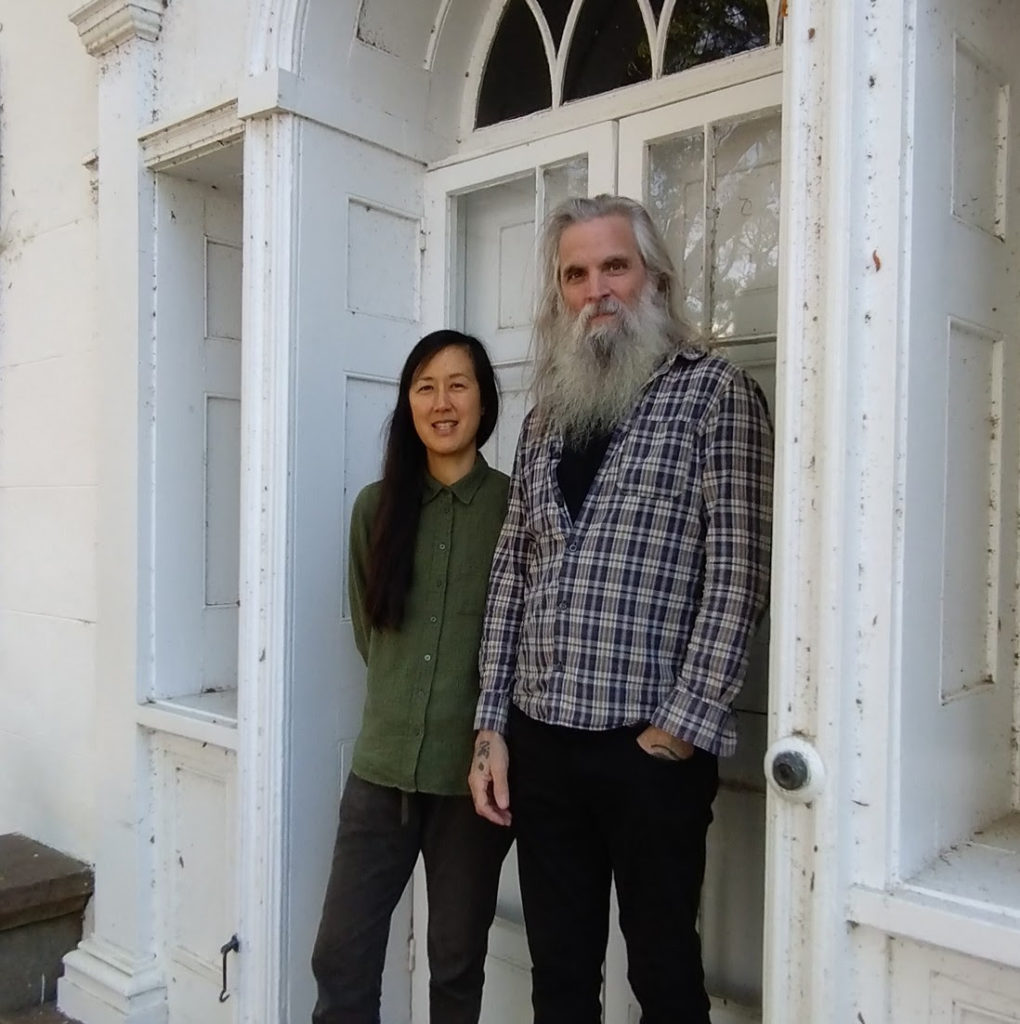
(654, 255)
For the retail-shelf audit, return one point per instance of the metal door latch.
(229, 947)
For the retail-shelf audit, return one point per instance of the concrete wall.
(48, 413)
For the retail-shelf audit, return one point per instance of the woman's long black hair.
(395, 529)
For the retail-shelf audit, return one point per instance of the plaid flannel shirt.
(642, 609)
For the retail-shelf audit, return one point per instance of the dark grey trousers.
(380, 835)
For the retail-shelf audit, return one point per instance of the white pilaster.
(841, 307)
(114, 977)
(271, 210)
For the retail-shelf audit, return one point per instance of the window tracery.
(548, 52)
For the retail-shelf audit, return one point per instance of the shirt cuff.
(492, 712)
(707, 724)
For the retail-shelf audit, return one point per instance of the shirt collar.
(463, 489)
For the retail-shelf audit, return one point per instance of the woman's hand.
(487, 779)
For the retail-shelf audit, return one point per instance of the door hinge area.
(410, 953)
(423, 239)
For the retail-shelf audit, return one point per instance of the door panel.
(709, 175)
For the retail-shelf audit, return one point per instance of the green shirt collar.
(463, 489)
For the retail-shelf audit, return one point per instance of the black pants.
(380, 834)
(589, 807)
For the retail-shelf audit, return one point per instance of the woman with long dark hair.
(421, 544)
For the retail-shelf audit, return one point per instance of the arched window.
(548, 52)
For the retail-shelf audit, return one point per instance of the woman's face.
(446, 405)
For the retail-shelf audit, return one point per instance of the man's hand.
(659, 743)
(487, 779)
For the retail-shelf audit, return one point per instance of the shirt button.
(573, 547)
(428, 657)
(442, 547)
(562, 606)
(432, 618)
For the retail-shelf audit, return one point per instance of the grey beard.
(595, 374)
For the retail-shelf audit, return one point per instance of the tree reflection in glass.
(676, 202)
(701, 31)
(746, 253)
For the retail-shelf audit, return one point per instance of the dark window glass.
(705, 30)
(555, 12)
(516, 77)
(610, 48)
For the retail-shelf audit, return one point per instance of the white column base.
(104, 985)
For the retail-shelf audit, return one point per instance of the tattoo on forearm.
(664, 753)
(482, 748)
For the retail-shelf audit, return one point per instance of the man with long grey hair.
(631, 569)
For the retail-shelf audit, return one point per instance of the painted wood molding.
(104, 24)
(167, 144)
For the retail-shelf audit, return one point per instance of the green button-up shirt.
(417, 732)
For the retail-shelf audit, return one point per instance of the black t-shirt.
(577, 469)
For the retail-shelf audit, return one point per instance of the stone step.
(42, 896)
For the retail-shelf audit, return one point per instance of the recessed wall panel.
(970, 586)
(222, 499)
(367, 405)
(980, 125)
(382, 262)
(222, 290)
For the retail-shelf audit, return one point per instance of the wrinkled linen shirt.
(641, 610)
(422, 686)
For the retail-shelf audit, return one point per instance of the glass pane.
(705, 30)
(746, 257)
(675, 196)
(555, 12)
(609, 48)
(516, 79)
(563, 181)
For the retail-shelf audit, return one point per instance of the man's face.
(599, 259)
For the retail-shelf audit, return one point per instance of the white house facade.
(222, 226)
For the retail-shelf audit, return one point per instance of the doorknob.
(794, 770)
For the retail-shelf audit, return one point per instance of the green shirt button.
(428, 657)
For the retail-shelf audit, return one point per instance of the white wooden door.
(482, 218)
(708, 172)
